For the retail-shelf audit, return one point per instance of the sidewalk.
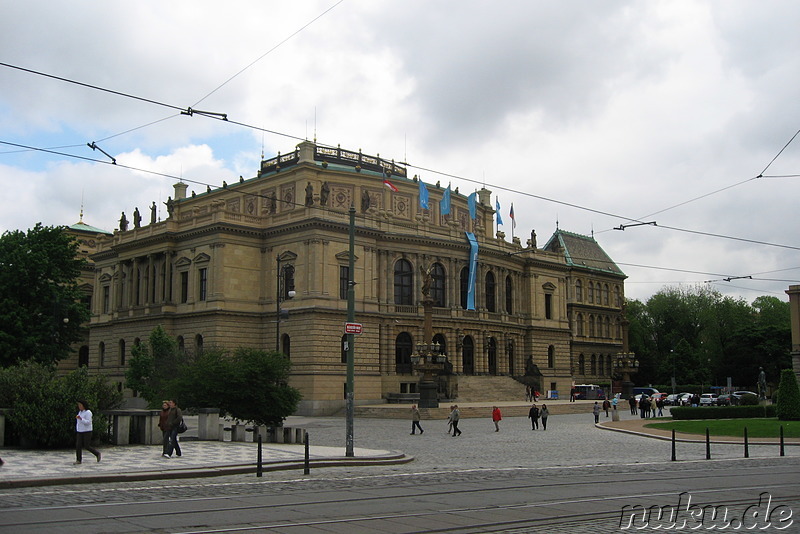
(24, 468)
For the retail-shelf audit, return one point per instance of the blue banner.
(423, 195)
(471, 203)
(473, 270)
(444, 204)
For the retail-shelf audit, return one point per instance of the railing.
(357, 159)
(280, 161)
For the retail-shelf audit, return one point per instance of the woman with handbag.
(174, 419)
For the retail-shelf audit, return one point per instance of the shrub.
(788, 397)
(722, 412)
(748, 400)
(44, 404)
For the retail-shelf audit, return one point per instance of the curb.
(751, 441)
(194, 472)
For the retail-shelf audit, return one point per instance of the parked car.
(708, 399)
(736, 396)
(726, 399)
(673, 399)
(685, 399)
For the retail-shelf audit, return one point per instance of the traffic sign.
(352, 328)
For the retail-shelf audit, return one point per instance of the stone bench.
(269, 434)
(402, 398)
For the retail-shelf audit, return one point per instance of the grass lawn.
(756, 428)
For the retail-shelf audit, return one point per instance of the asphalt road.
(572, 478)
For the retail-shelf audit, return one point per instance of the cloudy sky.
(589, 115)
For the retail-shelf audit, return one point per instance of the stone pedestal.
(615, 415)
(208, 424)
(428, 394)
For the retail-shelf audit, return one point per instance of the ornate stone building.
(219, 269)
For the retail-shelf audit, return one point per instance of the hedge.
(723, 412)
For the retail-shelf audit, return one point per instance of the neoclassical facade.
(218, 271)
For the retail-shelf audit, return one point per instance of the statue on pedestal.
(123, 223)
(137, 218)
(762, 384)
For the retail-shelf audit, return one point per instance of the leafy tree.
(788, 397)
(153, 365)
(44, 404)
(248, 385)
(40, 303)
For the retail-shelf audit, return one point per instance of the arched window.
(181, 345)
(509, 296)
(101, 349)
(605, 294)
(491, 291)
(468, 352)
(608, 364)
(403, 347)
(601, 363)
(616, 297)
(551, 356)
(442, 341)
(590, 293)
(578, 291)
(198, 344)
(288, 280)
(607, 329)
(618, 325)
(464, 286)
(581, 364)
(344, 348)
(122, 352)
(591, 326)
(83, 356)
(286, 345)
(510, 352)
(594, 364)
(491, 347)
(579, 325)
(597, 294)
(438, 285)
(403, 283)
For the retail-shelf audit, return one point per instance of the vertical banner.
(423, 195)
(473, 270)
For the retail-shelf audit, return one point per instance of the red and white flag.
(390, 185)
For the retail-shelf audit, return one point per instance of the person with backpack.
(174, 419)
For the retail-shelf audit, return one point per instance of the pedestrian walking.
(572, 395)
(660, 406)
(173, 421)
(83, 432)
(606, 406)
(533, 414)
(496, 417)
(454, 416)
(415, 420)
(596, 412)
(450, 418)
(614, 402)
(544, 413)
(632, 402)
(527, 393)
(162, 424)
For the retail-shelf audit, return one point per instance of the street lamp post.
(283, 294)
(626, 364)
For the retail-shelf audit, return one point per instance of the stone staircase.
(489, 389)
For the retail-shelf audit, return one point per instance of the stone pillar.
(794, 307)
(208, 424)
(180, 190)
(238, 433)
(121, 425)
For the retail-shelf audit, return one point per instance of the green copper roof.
(81, 226)
(582, 251)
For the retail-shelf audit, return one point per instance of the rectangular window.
(184, 287)
(203, 276)
(548, 306)
(344, 281)
(106, 299)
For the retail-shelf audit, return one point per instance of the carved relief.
(287, 197)
(341, 196)
(250, 205)
(234, 205)
(401, 206)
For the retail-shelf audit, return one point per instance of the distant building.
(211, 272)
(87, 237)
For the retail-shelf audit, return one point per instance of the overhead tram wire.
(223, 117)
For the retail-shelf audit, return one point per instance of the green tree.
(41, 312)
(153, 366)
(788, 397)
(248, 385)
(44, 404)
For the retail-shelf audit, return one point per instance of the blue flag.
(444, 204)
(423, 195)
(497, 210)
(471, 203)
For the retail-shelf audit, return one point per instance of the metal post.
(674, 456)
(259, 464)
(307, 465)
(278, 296)
(351, 317)
(782, 453)
(708, 446)
(746, 445)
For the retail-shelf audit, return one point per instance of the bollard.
(708, 446)
(307, 465)
(782, 440)
(746, 448)
(674, 457)
(259, 465)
